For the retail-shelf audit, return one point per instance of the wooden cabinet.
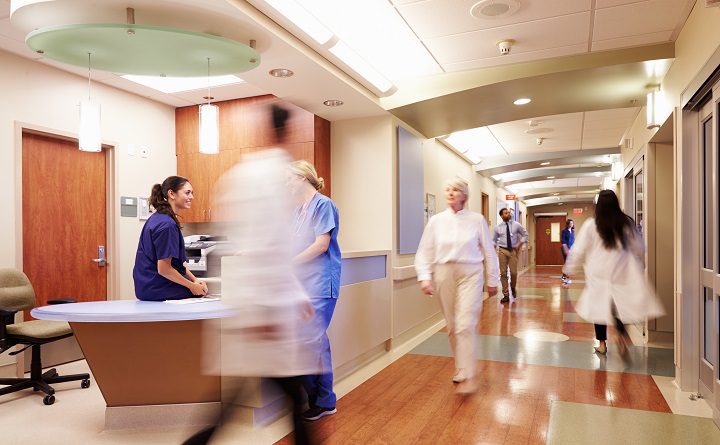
(245, 126)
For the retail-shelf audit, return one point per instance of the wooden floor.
(412, 401)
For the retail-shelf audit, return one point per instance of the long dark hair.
(159, 194)
(612, 224)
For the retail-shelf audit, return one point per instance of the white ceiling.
(455, 40)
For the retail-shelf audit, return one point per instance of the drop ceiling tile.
(4, 9)
(600, 4)
(532, 36)
(637, 19)
(563, 134)
(497, 60)
(456, 17)
(625, 42)
(593, 180)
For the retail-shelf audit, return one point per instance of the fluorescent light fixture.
(209, 129)
(89, 137)
(555, 194)
(360, 66)
(544, 163)
(617, 170)
(303, 19)
(475, 144)
(653, 108)
(522, 101)
(171, 85)
(551, 177)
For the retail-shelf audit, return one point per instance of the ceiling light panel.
(378, 34)
(177, 84)
(303, 19)
(476, 143)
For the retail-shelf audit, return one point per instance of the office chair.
(16, 294)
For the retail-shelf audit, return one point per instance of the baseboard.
(153, 416)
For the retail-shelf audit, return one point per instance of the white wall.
(42, 96)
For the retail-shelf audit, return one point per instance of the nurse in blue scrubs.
(160, 272)
(317, 266)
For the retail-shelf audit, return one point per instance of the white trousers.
(459, 287)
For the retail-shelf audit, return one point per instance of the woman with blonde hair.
(454, 246)
(317, 266)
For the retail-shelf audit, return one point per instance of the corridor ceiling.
(586, 64)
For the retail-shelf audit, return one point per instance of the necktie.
(509, 239)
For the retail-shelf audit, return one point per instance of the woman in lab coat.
(611, 251)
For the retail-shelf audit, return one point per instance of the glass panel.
(639, 202)
(707, 195)
(554, 232)
(708, 331)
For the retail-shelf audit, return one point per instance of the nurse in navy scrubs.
(160, 272)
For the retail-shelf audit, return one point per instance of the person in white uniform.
(454, 247)
(611, 251)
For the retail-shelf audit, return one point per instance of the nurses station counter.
(147, 357)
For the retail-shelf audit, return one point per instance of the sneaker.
(317, 412)
(459, 376)
(568, 281)
(505, 299)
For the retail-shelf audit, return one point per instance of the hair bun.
(320, 184)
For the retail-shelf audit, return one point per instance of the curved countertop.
(119, 311)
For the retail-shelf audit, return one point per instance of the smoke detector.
(504, 46)
(494, 9)
(539, 141)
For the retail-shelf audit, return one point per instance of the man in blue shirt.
(509, 236)
(567, 238)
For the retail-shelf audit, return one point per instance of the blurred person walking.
(272, 332)
(317, 265)
(455, 245)
(611, 251)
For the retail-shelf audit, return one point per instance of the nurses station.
(127, 124)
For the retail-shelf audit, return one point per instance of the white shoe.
(568, 281)
(459, 376)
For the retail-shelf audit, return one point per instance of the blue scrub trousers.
(319, 388)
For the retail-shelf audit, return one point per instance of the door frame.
(111, 190)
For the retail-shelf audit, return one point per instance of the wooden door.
(63, 219)
(548, 230)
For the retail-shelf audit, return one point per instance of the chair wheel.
(49, 399)
(85, 383)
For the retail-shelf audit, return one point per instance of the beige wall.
(45, 97)
(362, 181)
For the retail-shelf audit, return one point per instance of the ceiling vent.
(494, 9)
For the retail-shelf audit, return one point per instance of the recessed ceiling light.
(551, 177)
(544, 163)
(522, 101)
(560, 203)
(555, 194)
(333, 103)
(280, 72)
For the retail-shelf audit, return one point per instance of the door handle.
(100, 260)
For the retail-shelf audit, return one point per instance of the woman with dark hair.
(160, 272)
(567, 239)
(612, 253)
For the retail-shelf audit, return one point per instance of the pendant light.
(209, 123)
(89, 133)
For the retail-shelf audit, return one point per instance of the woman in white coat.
(611, 251)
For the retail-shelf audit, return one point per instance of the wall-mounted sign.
(510, 197)
(578, 211)
(547, 231)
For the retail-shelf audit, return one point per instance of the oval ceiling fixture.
(494, 9)
(147, 51)
(333, 103)
(281, 72)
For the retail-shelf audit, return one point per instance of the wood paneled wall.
(245, 126)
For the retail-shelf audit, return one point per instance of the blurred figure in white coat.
(611, 251)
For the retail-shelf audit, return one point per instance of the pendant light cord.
(208, 80)
(89, 76)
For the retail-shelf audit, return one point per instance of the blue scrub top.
(160, 238)
(320, 276)
(567, 237)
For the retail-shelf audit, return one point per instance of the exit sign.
(578, 211)
(510, 197)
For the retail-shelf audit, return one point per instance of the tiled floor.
(533, 390)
